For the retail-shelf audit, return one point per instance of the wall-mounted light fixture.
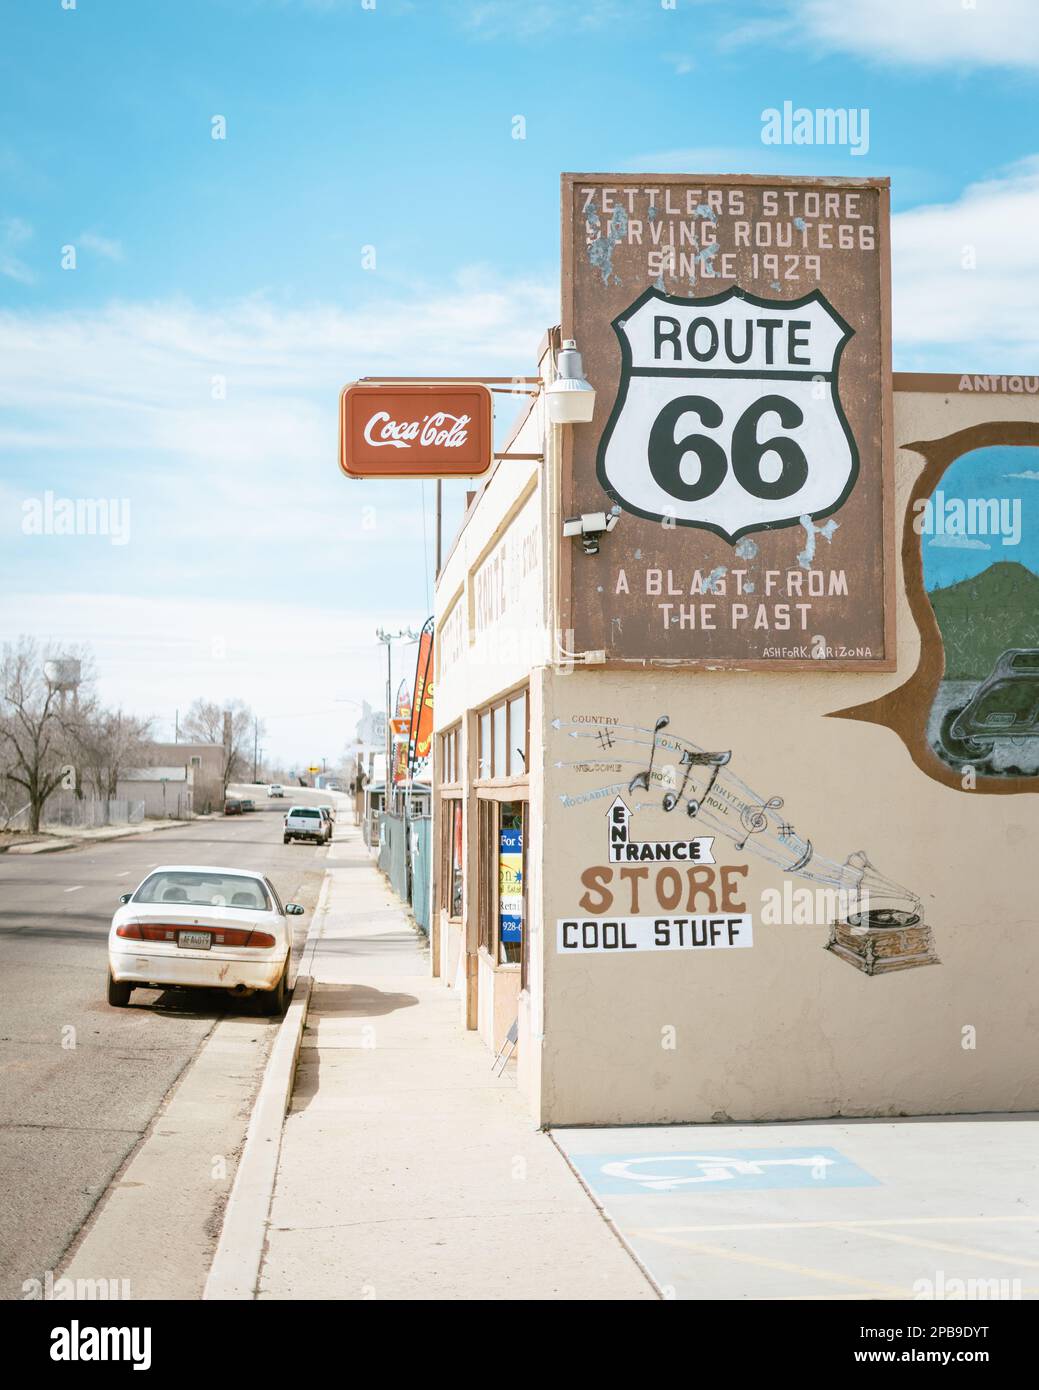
(571, 398)
(591, 527)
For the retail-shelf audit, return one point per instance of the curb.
(235, 1271)
(82, 841)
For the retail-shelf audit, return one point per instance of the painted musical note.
(806, 855)
(754, 819)
(689, 760)
(671, 799)
(641, 779)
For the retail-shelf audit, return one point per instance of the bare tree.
(34, 725)
(109, 743)
(205, 723)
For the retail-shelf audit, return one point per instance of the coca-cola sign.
(417, 430)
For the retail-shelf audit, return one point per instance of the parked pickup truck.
(306, 823)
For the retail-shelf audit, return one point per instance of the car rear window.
(197, 888)
(305, 811)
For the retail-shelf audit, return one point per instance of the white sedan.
(195, 927)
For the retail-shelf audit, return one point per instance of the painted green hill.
(980, 617)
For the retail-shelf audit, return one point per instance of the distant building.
(167, 792)
(206, 762)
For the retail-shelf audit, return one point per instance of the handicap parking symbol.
(721, 1170)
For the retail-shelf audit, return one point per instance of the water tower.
(63, 675)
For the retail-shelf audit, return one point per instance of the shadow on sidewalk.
(357, 1001)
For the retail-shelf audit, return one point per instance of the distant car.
(191, 926)
(248, 804)
(275, 789)
(232, 806)
(997, 730)
(306, 823)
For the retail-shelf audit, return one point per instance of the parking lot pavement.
(862, 1209)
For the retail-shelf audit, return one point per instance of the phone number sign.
(737, 332)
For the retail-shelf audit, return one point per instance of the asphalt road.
(81, 1082)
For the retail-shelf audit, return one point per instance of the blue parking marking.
(718, 1170)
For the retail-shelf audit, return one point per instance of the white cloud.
(14, 233)
(141, 376)
(234, 499)
(1029, 473)
(104, 246)
(980, 318)
(525, 19)
(919, 33)
(298, 665)
(701, 159)
(959, 543)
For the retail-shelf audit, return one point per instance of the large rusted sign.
(737, 333)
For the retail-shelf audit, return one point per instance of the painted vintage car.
(997, 731)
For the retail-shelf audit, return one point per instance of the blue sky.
(392, 127)
(953, 551)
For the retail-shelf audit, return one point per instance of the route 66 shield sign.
(728, 415)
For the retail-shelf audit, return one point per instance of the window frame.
(497, 778)
(447, 819)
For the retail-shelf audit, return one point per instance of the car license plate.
(194, 940)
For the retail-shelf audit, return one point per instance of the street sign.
(737, 331)
(415, 430)
(746, 363)
(313, 769)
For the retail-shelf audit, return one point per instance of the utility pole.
(256, 740)
(440, 485)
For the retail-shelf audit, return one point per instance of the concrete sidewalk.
(408, 1170)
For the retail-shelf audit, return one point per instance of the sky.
(371, 211)
(961, 537)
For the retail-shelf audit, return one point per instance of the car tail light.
(221, 936)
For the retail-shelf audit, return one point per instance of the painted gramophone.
(886, 931)
(879, 925)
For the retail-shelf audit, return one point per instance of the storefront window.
(485, 744)
(517, 764)
(500, 741)
(449, 754)
(455, 909)
(511, 881)
(503, 739)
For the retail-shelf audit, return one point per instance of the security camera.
(591, 527)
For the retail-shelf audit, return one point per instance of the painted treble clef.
(754, 819)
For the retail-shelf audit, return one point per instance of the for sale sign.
(737, 333)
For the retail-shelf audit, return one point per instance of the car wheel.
(285, 839)
(119, 992)
(955, 749)
(273, 1002)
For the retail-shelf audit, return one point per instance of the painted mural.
(979, 533)
(878, 926)
(968, 714)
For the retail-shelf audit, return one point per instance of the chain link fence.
(81, 813)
